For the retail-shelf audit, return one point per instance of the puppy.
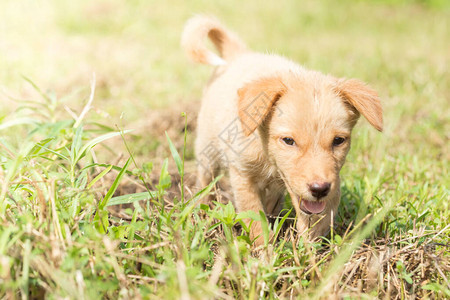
(274, 126)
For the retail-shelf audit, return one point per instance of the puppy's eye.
(338, 141)
(288, 141)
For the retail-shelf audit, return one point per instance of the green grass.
(91, 210)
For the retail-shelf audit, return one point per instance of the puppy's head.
(305, 124)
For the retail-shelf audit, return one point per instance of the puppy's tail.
(226, 42)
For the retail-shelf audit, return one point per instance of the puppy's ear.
(364, 99)
(256, 99)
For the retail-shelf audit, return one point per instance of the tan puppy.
(274, 126)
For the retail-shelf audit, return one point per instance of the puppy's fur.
(274, 126)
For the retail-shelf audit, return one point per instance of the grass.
(91, 210)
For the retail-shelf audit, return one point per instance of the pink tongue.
(314, 207)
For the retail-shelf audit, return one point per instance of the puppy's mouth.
(312, 207)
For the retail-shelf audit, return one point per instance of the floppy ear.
(256, 99)
(364, 99)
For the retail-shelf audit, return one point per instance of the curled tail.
(226, 42)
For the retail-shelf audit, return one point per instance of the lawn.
(97, 125)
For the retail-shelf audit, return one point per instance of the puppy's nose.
(319, 189)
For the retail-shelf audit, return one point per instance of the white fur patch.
(215, 60)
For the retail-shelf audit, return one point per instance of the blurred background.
(133, 46)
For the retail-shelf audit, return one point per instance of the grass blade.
(114, 186)
(130, 198)
(101, 220)
(18, 121)
(99, 176)
(175, 155)
(265, 228)
(96, 141)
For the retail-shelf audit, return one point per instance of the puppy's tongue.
(314, 207)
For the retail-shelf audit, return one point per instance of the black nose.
(319, 189)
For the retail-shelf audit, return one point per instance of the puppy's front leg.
(247, 198)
